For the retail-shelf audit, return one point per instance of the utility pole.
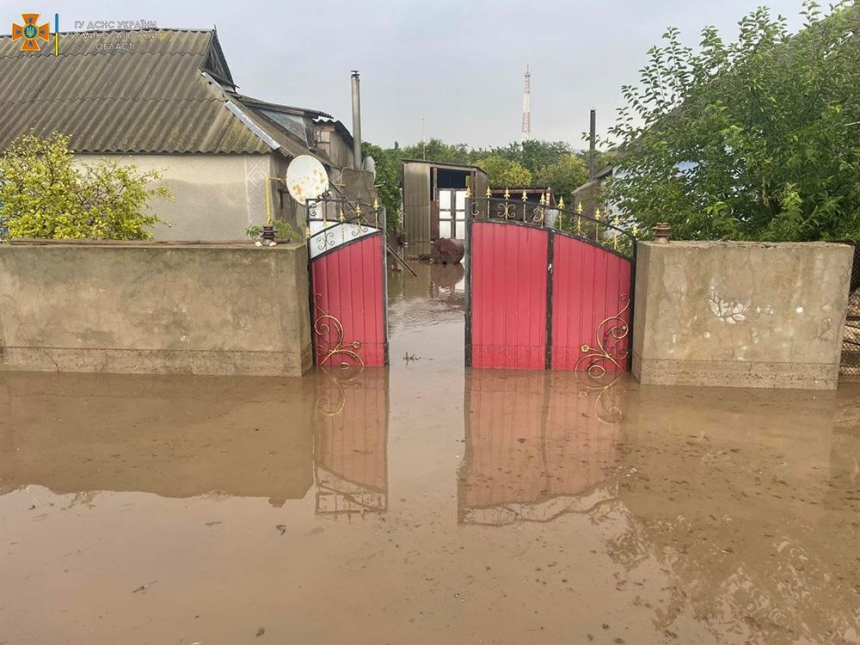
(356, 121)
(423, 141)
(592, 146)
(527, 108)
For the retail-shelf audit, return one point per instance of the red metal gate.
(590, 307)
(348, 286)
(541, 298)
(508, 295)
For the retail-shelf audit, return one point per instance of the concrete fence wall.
(710, 313)
(740, 314)
(155, 309)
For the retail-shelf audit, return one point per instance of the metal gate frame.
(590, 230)
(335, 224)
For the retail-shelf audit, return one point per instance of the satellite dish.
(306, 179)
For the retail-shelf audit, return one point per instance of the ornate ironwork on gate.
(548, 287)
(348, 290)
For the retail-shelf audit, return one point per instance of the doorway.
(452, 213)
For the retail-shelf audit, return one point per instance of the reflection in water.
(446, 279)
(351, 442)
(183, 437)
(538, 445)
(679, 515)
(173, 436)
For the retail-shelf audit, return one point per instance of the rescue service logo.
(31, 33)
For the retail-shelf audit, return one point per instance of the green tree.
(438, 151)
(756, 139)
(395, 157)
(387, 182)
(544, 163)
(532, 155)
(511, 152)
(504, 173)
(563, 176)
(44, 194)
(538, 155)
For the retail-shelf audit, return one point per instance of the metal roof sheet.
(154, 97)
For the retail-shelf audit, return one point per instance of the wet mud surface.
(425, 504)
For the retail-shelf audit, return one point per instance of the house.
(588, 198)
(167, 100)
(434, 199)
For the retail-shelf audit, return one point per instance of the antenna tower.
(527, 108)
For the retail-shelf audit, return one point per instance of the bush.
(44, 194)
(755, 138)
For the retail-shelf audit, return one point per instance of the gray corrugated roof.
(154, 98)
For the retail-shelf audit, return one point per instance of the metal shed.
(434, 198)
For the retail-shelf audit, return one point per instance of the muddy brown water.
(425, 504)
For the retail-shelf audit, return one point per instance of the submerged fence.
(850, 366)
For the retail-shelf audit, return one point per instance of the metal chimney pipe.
(592, 146)
(356, 120)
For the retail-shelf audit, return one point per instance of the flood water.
(425, 504)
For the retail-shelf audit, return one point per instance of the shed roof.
(172, 92)
(441, 164)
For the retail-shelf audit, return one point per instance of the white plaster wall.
(215, 196)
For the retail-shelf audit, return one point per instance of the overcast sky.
(457, 63)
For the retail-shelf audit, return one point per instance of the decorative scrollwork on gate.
(521, 210)
(328, 237)
(331, 402)
(360, 228)
(507, 210)
(359, 225)
(325, 238)
(610, 348)
(330, 340)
